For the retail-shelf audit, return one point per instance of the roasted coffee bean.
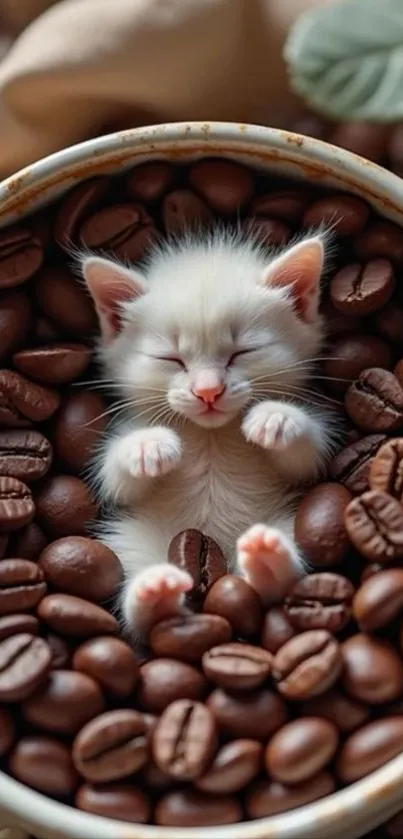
(363, 289)
(226, 186)
(29, 542)
(185, 808)
(155, 779)
(18, 623)
(187, 637)
(7, 731)
(267, 798)
(112, 746)
(46, 331)
(78, 428)
(380, 239)
(184, 739)
(285, 204)
(301, 749)
(22, 586)
(277, 629)
(389, 322)
(149, 181)
(374, 523)
(83, 567)
(111, 662)
(125, 229)
(307, 665)
(320, 601)
(369, 141)
(346, 713)
(44, 764)
(21, 255)
(375, 401)
(64, 506)
(61, 653)
(237, 666)
(267, 231)
(234, 599)
(352, 353)
(24, 664)
(372, 670)
(73, 616)
(369, 748)
(352, 465)
(346, 214)
(235, 765)
(386, 473)
(122, 802)
(370, 570)
(16, 504)
(201, 557)
(75, 207)
(398, 371)
(65, 703)
(24, 454)
(319, 524)
(394, 827)
(336, 323)
(16, 320)
(183, 209)
(379, 600)
(165, 680)
(255, 714)
(55, 364)
(22, 401)
(62, 299)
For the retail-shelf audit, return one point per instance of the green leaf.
(346, 59)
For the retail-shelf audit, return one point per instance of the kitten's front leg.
(295, 437)
(269, 559)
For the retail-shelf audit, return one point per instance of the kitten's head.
(208, 325)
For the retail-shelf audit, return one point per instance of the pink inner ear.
(300, 271)
(110, 286)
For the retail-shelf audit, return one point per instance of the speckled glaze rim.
(361, 807)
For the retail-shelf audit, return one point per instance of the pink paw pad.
(266, 560)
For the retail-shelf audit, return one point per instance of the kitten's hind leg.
(269, 559)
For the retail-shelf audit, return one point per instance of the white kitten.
(210, 347)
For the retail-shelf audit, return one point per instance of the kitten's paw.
(273, 425)
(268, 560)
(150, 452)
(155, 593)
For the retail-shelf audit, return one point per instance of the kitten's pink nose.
(209, 394)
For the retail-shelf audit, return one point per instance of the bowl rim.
(213, 138)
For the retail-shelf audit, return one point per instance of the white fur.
(204, 300)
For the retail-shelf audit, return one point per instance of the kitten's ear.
(110, 285)
(299, 270)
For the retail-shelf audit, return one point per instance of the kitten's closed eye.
(172, 359)
(239, 353)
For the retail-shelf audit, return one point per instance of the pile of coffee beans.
(232, 711)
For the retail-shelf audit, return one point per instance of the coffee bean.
(375, 401)
(380, 239)
(65, 703)
(73, 616)
(65, 506)
(201, 557)
(369, 141)
(188, 637)
(319, 524)
(301, 749)
(253, 714)
(24, 454)
(346, 214)
(83, 567)
(352, 465)
(125, 229)
(352, 353)
(185, 808)
(373, 671)
(62, 299)
(276, 630)
(124, 803)
(346, 713)
(267, 798)
(307, 665)
(234, 599)
(226, 186)
(17, 624)
(44, 764)
(374, 523)
(78, 428)
(336, 323)
(285, 204)
(389, 322)
(61, 654)
(111, 662)
(398, 371)
(29, 542)
(7, 731)
(15, 322)
(235, 765)
(24, 664)
(379, 600)
(111, 746)
(363, 289)
(22, 401)
(394, 827)
(149, 181)
(267, 231)
(75, 207)
(21, 255)
(22, 586)
(237, 666)
(369, 748)
(320, 601)
(183, 210)
(165, 680)
(16, 504)
(386, 473)
(184, 739)
(56, 364)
